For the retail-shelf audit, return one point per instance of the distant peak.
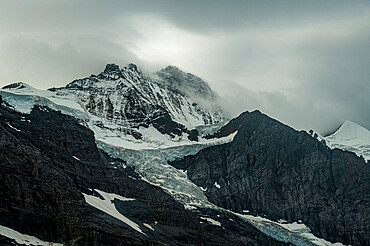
(173, 70)
(171, 67)
(111, 67)
(112, 71)
(17, 86)
(132, 66)
(351, 124)
(348, 123)
(350, 130)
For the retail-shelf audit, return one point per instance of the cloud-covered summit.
(303, 62)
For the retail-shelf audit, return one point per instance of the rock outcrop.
(275, 171)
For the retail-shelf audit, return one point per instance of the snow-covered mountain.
(349, 136)
(352, 137)
(128, 95)
(150, 120)
(125, 106)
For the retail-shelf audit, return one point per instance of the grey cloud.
(45, 65)
(303, 62)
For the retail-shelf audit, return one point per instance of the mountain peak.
(17, 86)
(132, 66)
(111, 67)
(171, 68)
(351, 130)
(111, 71)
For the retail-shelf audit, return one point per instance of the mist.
(305, 63)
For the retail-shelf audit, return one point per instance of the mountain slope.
(273, 170)
(57, 185)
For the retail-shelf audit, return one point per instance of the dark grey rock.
(271, 169)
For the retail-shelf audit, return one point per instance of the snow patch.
(212, 221)
(106, 205)
(148, 226)
(12, 127)
(24, 239)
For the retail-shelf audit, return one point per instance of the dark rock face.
(273, 170)
(47, 160)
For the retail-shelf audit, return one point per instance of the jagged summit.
(112, 70)
(111, 67)
(128, 99)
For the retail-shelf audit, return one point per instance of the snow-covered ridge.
(351, 131)
(352, 137)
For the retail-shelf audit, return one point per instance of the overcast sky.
(306, 63)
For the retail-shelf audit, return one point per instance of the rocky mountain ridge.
(273, 170)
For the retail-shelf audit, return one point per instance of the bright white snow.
(106, 205)
(352, 137)
(12, 127)
(212, 221)
(295, 233)
(23, 238)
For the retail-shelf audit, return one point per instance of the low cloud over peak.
(305, 63)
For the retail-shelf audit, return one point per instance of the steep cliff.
(275, 171)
